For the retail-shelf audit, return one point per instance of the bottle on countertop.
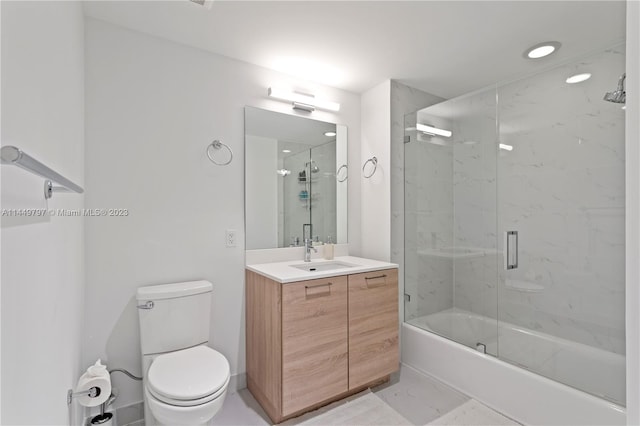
(328, 249)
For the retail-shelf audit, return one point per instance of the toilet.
(185, 381)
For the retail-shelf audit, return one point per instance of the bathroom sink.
(322, 266)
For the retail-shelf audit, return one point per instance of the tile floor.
(472, 413)
(418, 398)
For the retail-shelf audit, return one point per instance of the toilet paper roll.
(86, 383)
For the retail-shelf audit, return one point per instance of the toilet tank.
(174, 316)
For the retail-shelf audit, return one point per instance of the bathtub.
(517, 392)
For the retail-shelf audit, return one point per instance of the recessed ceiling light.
(286, 151)
(329, 133)
(541, 50)
(578, 78)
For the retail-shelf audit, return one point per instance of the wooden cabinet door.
(314, 342)
(373, 326)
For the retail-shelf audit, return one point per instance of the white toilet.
(185, 381)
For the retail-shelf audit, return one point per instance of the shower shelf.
(524, 286)
(458, 252)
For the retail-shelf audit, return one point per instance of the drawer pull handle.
(318, 285)
(375, 284)
(376, 277)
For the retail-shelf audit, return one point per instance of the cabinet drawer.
(373, 326)
(314, 342)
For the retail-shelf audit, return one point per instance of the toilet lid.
(188, 374)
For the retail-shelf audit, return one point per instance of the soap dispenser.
(328, 249)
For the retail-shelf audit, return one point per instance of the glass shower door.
(514, 223)
(451, 256)
(561, 188)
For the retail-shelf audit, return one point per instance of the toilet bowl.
(185, 381)
(187, 387)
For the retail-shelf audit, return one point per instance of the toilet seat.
(188, 377)
(187, 403)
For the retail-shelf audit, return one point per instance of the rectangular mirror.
(295, 180)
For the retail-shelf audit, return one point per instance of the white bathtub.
(527, 397)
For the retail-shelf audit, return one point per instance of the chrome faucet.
(308, 246)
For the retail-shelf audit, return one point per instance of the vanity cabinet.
(312, 342)
(373, 326)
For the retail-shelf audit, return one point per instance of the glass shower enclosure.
(514, 223)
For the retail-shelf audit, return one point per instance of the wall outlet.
(230, 237)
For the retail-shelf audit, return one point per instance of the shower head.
(619, 96)
(313, 166)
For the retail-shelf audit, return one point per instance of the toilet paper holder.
(93, 392)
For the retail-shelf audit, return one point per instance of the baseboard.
(130, 413)
(237, 383)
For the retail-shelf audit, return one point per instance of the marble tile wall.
(562, 187)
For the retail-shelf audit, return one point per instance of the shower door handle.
(511, 256)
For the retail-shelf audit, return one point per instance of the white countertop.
(284, 272)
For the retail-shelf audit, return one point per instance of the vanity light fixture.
(283, 172)
(541, 50)
(506, 147)
(430, 130)
(286, 151)
(302, 101)
(329, 134)
(578, 78)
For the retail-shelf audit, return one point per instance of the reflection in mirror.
(296, 178)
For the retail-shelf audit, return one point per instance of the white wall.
(152, 107)
(261, 187)
(43, 259)
(375, 191)
(0, 239)
(632, 156)
(342, 190)
(383, 110)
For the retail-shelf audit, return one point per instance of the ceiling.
(446, 48)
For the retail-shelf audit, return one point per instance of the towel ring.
(374, 161)
(219, 145)
(346, 173)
